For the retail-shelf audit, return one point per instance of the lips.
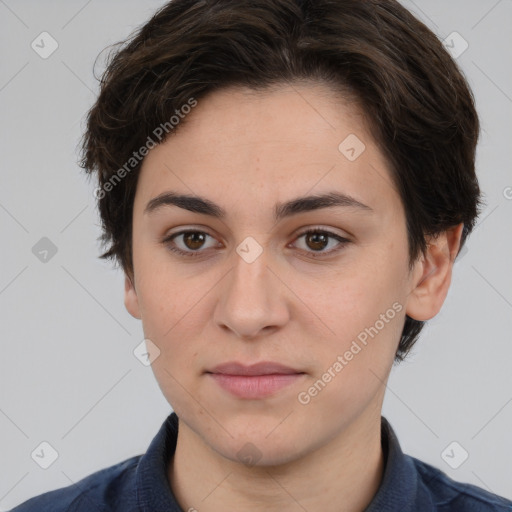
(262, 368)
(256, 381)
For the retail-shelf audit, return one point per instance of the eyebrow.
(198, 204)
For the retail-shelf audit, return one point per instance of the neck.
(342, 475)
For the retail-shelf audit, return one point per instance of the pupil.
(315, 238)
(193, 235)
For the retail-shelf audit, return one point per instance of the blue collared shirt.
(140, 484)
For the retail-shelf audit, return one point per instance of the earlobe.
(431, 276)
(131, 300)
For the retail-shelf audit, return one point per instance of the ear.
(131, 300)
(432, 275)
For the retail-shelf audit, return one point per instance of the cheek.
(364, 311)
(353, 365)
(172, 307)
(353, 300)
(163, 291)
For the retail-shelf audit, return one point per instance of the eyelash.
(191, 254)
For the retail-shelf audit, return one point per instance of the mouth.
(255, 381)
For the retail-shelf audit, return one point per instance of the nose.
(253, 299)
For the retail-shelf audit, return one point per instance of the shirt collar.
(154, 493)
(399, 486)
(398, 490)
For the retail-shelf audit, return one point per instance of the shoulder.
(99, 491)
(450, 495)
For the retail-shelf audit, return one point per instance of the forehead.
(239, 146)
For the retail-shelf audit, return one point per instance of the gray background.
(68, 375)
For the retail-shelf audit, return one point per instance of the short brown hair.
(420, 109)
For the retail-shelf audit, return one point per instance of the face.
(249, 286)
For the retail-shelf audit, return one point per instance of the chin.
(258, 452)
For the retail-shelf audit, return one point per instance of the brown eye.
(316, 240)
(193, 239)
(191, 244)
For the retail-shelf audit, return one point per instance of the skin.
(247, 151)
